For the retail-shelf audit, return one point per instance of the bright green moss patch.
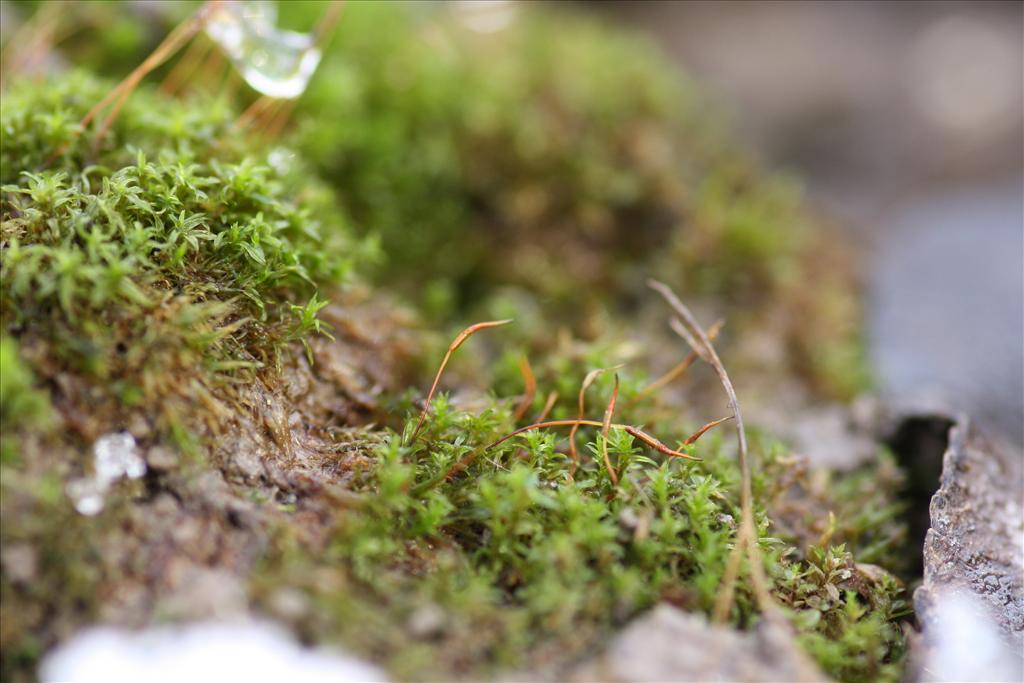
(511, 564)
(170, 249)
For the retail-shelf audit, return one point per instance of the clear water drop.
(275, 62)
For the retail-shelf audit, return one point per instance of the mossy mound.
(563, 159)
(166, 282)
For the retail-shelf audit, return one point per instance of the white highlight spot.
(204, 651)
(965, 643)
(114, 456)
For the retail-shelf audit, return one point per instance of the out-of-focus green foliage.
(570, 160)
(463, 148)
(22, 404)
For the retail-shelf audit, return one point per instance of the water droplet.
(86, 495)
(116, 456)
(280, 160)
(277, 63)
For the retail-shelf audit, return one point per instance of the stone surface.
(830, 436)
(671, 645)
(974, 550)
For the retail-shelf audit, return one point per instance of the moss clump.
(462, 148)
(144, 283)
(848, 616)
(165, 257)
(511, 563)
(562, 158)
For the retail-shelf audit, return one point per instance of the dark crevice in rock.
(919, 442)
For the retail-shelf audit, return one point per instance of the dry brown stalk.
(171, 44)
(629, 429)
(608, 413)
(468, 459)
(277, 122)
(28, 46)
(548, 405)
(456, 343)
(700, 432)
(325, 25)
(688, 328)
(255, 111)
(683, 365)
(530, 389)
(581, 404)
(193, 57)
(272, 118)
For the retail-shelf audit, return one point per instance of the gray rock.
(671, 645)
(975, 546)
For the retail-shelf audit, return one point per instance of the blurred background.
(904, 121)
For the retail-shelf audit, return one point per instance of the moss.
(561, 157)
(511, 564)
(567, 159)
(170, 275)
(143, 283)
(22, 404)
(854, 634)
(169, 252)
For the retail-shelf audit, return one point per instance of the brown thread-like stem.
(171, 44)
(629, 429)
(700, 432)
(686, 326)
(468, 459)
(456, 343)
(605, 427)
(254, 111)
(530, 389)
(548, 405)
(192, 58)
(581, 405)
(683, 365)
